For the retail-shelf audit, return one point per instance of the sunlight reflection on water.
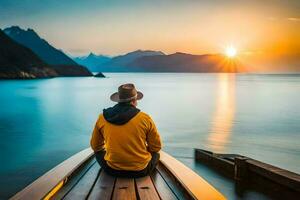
(224, 115)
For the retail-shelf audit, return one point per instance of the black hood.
(120, 114)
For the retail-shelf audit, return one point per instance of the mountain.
(92, 61)
(119, 63)
(41, 47)
(56, 59)
(20, 62)
(182, 62)
(177, 62)
(17, 61)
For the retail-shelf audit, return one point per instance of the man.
(125, 140)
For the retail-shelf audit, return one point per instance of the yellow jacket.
(127, 146)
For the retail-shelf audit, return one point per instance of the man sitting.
(125, 140)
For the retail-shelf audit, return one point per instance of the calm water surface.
(43, 122)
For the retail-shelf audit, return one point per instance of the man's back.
(125, 140)
(128, 145)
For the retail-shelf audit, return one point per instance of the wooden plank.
(124, 189)
(103, 187)
(73, 180)
(275, 174)
(197, 187)
(82, 188)
(163, 189)
(46, 183)
(146, 189)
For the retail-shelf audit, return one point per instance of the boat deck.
(81, 177)
(94, 183)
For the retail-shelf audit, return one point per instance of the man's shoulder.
(101, 118)
(144, 115)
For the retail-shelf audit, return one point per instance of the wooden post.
(240, 174)
(240, 169)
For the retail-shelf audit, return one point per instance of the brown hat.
(126, 93)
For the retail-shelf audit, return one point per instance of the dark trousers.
(124, 173)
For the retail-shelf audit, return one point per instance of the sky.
(269, 27)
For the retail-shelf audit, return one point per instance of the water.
(43, 122)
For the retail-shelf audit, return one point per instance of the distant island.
(24, 55)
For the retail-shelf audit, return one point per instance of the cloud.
(294, 19)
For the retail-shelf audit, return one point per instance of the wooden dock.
(81, 177)
(250, 173)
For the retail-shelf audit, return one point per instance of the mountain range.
(182, 62)
(58, 63)
(156, 61)
(41, 60)
(136, 61)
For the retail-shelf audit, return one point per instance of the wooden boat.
(80, 177)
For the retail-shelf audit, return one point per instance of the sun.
(230, 51)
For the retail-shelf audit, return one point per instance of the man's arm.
(153, 138)
(97, 140)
